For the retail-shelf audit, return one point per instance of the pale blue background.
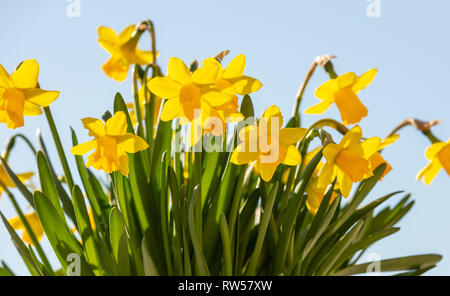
(409, 44)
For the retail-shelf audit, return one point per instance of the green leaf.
(119, 245)
(58, 233)
(247, 107)
(395, 264)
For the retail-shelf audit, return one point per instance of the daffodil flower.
(343, 91)
(111, 144)
(268, 144)
(348, 160)
(8, 182)
(20, 94)
(123, 50)
(376, 159)
(439, 156)
(35, 224)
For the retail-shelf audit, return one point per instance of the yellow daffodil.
(20, 94)
(348, 160)
(376, 159)
(315, 195)
(111, 144)
(268, 144)
(35, 224)
(123, 50)
(343, 91)
(8, 182)
(439, 156)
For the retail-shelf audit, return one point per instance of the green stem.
(59, 148)
(295, 112)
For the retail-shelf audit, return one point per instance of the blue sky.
(408, 44)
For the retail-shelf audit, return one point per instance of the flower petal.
(364, 80)
(217, 98)
(126, 33)
(164, 87)
(95, 126)
(352, 137)
(327, 174)
(116, 68)
(273, 111)
(327, 89)
(245, 85)
(346, 79)
(207, 74)
(388, 141)
(235, 68)
(345, 183)
(41, 97)
(107, 35)
(241, 155)
(290, 136)
(370, 146)
(124, 168)
(293, 156)
(178, 71)
(27, 74)
(434, 149)
(5, 80)
(319, 108)
(266, 170)
(117, 125)
(132, 143)
(31, 109)
(171, 110)
(429, 172)
(83, 148)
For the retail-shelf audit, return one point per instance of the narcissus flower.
(343, 90)
(123, 50)
(6, 179)
(20, 94)
(348, 160)
(268, 144)
(439, 156)
(111, 144)
(35, 224)
(376, 159)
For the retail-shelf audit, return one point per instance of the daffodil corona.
(123, 50)
(20, 94)
(268, 144)
(439, 156)
(111, 144)
(348, 160)
(343, 91)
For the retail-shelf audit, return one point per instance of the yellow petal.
(245, 85)
(126, 33)
(107, 35)
(117, 125)
(293, 156)
(31, 109)
(171, 110)
(27, 74)
(216, 98)
(207, 74)
(164, 87)
(116, 68)
(429, 172)
(290, 136)
(124, 168)
(352, 137)
(319, 108)
(5, 80)
(353, 165)
(273, 112)
(178, 71)
(95, 126)
(327, 174)
(370, 146)
(83, 148)
(331, 151)
(132, 143)
(41, 97)
(388, 141)
(347, 79)
(444, 158)
(327, 90)
(266, 170)
(434, 149)
(25, 176)
(235, 68)
(345, 183)
(364, 80)
(241, 155)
